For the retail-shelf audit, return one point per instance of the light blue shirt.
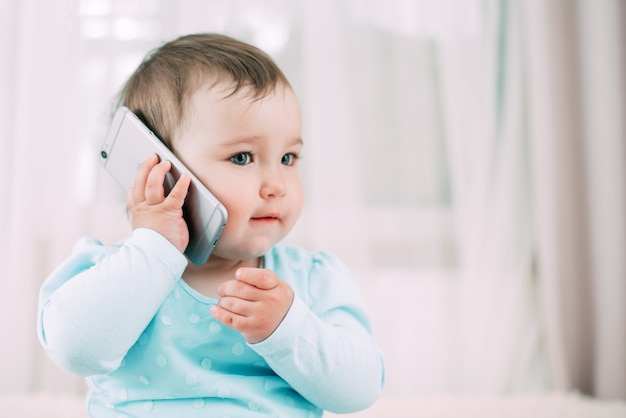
(147, 343)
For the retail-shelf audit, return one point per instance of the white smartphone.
(128, 144)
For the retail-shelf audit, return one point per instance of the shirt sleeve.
(324, 347)
(93, 308)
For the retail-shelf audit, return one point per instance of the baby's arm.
(323, 347)
(94, 307)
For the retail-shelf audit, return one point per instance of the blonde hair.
(158, 91)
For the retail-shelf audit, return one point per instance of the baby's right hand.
(151, 209)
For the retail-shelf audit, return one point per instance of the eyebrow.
(253, 139)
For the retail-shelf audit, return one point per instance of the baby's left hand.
(254, 303)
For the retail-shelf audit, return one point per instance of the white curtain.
(536, 121)
(484, 96)
(577, 108)
(38, 129)
(466, 159)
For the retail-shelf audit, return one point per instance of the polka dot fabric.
(187, 360)
(149, 347)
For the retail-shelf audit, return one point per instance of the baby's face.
(246, 152)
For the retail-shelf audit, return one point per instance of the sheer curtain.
(37, 218)
(484, 94)
(535, 118)
(577, 103)
(465, 158)
(602, 39)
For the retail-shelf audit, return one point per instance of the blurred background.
(466, 159)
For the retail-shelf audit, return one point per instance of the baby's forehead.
(225, 86)
(222, 102)
(226, 92)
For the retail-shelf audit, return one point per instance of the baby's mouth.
(266, 218)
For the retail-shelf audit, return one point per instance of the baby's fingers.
(177, 196)
(155, 193)
(260, 278)
(138, 192)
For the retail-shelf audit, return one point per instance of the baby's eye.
(289, 159)
(241, 158)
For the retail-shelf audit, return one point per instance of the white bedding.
(571, 405)
(535, 406)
